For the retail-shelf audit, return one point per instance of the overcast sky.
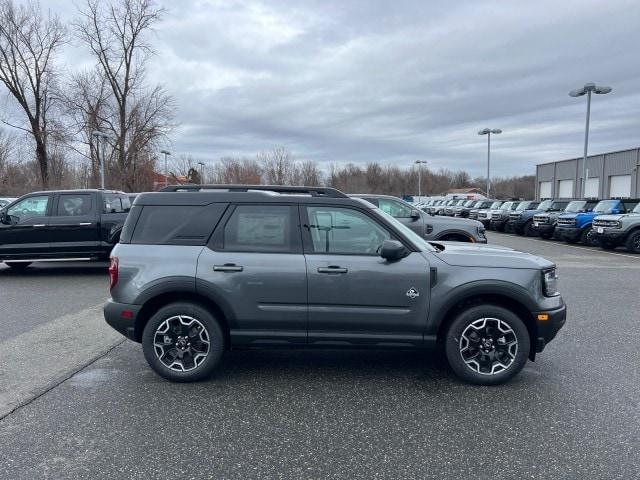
(396, 81)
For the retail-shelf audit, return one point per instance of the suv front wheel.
(487, 345)
(183, 342)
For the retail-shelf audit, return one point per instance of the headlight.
(481, 231)
(550, 282)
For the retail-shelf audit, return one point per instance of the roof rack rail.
(313, 191)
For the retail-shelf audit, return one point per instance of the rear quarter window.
(173, 224)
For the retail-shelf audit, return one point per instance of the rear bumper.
(548, 329)
(568, 233)
(122, 317)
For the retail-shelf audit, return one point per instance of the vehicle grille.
(567, 222)
(605, 223)
(515, 216)
(483, 215)
(541, 218)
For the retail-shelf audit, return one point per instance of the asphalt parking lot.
(574, 413)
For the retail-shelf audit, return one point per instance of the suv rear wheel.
(487, 345)
(633, 242)
(183, 342)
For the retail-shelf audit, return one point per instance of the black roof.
(206, 194)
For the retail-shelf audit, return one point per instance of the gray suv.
(204, 269)
(430, 227)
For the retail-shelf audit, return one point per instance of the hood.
(455, 221)
(617, 217)
(489, 256)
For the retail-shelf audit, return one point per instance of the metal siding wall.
(601, 166)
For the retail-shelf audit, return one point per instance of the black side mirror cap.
(393, 250)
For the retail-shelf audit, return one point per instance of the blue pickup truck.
(576, 227)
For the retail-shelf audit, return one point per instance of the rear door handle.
(84, 224)
(40, 225)
(332, 269)
(227, 267)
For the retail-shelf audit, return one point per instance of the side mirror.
(415, 215)
(393, 250)
(4, 218)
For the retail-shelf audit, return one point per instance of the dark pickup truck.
(61, 225)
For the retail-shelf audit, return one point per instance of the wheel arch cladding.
(153, 304)
(455, 233)
(512, 304)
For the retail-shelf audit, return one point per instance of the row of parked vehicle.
(606, 223)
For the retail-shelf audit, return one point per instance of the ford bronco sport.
(203, 269)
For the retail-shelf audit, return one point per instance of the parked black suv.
(61, 225)
(201, 269)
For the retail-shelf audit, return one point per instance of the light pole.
(419, 163)
(587, 89)
(201, 172)
(166, 169)
(488, 132)
(101, 156)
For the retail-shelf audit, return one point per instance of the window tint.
(29, 207)
(394, 208)
(114, 203)
(343, 230)
(74, 205)
(262, 228)
(175, 224)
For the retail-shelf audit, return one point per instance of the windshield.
(575, 207)
(416, 239)
(636, 209)
(522, 206)
(546, 205)
(496, 205)
(506, 206)
(478, 204)
(469, 203)
(605, 206)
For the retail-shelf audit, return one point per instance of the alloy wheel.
(488, 346)
(181, 343)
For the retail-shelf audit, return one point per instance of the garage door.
(593, 187)
(620, 186)
(565, 188)
(545, 190)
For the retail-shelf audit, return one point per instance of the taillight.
(113, 272)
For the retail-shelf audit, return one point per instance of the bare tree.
(116, 34)
(28, 44)
(241, 171)
(278, 166)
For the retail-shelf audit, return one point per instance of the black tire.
(493, 316)
(633, 242)
(184, 312)
(528, 230)
(588, 238)
(500, 227)
(17, 265)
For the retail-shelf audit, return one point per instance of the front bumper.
(568, 233)
(544, 228)
(498, 222)
(614, 237)
(122, 317)
(548, 329)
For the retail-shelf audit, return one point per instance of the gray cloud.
(398, 81)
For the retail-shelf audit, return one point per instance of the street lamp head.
(601, 90)
(418, 162)
(484, 131)
(496, 130)
(166, 152)
(577, 93)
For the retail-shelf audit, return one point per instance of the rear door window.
(74, 205)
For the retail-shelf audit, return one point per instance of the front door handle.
(39, 225)
(84, 224)
(332, 269)
(227, 267)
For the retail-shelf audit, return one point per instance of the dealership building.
(609, 175)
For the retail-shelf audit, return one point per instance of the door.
(565, 189)
(73, 227)
(355, 296)
(24, 233)
(254, 264)
(545, 190)
(620, 186)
